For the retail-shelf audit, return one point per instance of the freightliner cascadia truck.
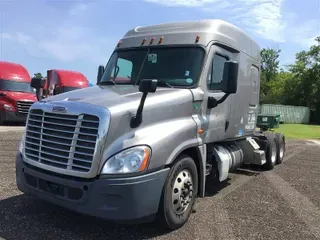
(175, 104)
(16, 95)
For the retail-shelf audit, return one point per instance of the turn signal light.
(197, 38)
(160, 41)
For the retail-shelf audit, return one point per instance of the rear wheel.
(179, 193)
(271, 151)
(1, 121)
(281, 147)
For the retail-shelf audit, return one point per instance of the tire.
(271, 151)
(1, 121)
(170, 216)
(281, 147)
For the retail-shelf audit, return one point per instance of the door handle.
(226, 126)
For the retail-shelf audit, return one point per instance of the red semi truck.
(59, 81)
(16, 95)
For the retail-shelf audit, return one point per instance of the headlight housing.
(132, 160)
(8, 107)
(21, 144)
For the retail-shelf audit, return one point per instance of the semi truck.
(16, 94)
(60, 81)
(175, 105)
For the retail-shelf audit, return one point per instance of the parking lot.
(252, 204)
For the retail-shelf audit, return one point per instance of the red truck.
(60, 81)
(16, 94)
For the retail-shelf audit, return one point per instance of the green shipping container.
(288, 114)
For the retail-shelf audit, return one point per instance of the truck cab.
(175, 104)
(16, 95)
(60, 81)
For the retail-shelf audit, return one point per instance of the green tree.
(38, 75)
(269, 71)
(269, 63)
(304, 89)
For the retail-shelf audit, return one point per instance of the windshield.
(15, 86)
(174, 66)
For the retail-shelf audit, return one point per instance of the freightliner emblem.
(59, 109)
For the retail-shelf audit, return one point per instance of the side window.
(215, 76)
(125, 70)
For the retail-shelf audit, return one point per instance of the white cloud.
(65, 38)
(186, 3)
(78, 8)
(263, 18)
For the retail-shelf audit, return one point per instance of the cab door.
(218, 117)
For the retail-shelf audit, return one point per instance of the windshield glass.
(15, 86)
(176, 66)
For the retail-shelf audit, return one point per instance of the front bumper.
(121, 199)
(12, 116)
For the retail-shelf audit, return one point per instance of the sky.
(80, 35)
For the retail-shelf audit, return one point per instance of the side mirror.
(230, 77)
(148, 85)
(37, 82)
(100, 73)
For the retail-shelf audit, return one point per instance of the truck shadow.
(24, 217)
(213, 186)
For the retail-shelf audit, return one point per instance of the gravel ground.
(252, 204)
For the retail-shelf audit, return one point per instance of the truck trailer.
(16, 95)
(175, 104)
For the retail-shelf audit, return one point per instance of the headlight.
(21, 144)
(8, 107)
(131, 160)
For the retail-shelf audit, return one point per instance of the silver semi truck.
(175, 104)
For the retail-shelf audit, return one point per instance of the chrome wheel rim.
(273, 152)
(182, 192)
(281, 150)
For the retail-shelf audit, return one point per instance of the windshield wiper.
(164, 83)
(107, 83)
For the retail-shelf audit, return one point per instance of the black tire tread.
(280, 138)
(271, 137)
(164, 217)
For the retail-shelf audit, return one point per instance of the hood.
(20, 96)
(124, 98)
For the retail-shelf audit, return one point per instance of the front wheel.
(179, 193)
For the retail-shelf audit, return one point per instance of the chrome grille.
(61, 140)
(23, 106)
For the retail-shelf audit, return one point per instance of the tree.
(38, 75)
(269, 63)
(269, 71)
(305, 87)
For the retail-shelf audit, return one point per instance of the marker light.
(160, 41)
(152, 39)
(143, 41)
(119, 43)
(197, 38)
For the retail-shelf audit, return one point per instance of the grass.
(299, 131)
